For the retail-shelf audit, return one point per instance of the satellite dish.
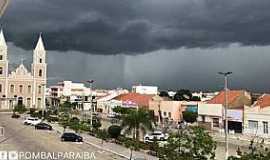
(3, 6)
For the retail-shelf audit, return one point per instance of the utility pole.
(225, 74)
(91, 100)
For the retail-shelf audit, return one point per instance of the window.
(39, 102)
(39, 89)
(170, 115)
(40, 73)
(28, 103)
(29, 89)
(0, 87)
(216, 122)
(1, 57)
(165, 113)
(265, 127)
(21, 88)
(253, 125)
(40, 60)
(12, 88)
(1, 70)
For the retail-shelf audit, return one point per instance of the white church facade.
(22, 86)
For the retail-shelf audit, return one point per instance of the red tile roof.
(139, 99)
(220, 98)
(263, 101)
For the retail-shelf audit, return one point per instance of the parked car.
(158, 135)
(73, 137)
(44, 126)
(31, 121)
(111, 115)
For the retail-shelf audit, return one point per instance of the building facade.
(23, 87)
(150, 90)
(257, 117)
(211, 114)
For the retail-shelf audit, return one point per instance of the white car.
(31, 121)
(158, 135)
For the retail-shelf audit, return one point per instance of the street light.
(226, 74)
(91, 97)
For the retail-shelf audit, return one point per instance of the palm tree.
(136, 121)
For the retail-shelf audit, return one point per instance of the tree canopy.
(136, 121)
(182, 95)
(190, 117)
(193, 143)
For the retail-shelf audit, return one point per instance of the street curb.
(97, 146)
(106, 149)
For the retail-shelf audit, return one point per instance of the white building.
(257, 117)
(106, 103)
(152, 90)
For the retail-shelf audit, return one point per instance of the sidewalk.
(106, 146)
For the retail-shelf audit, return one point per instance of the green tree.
(194, 143)
(121, 110)
(256, 151)
(190, 117)
(133, 145)
(20, 108)
(96, 123)
(74, 124)
(136, 121)
(64, 120)
(182, 95)
(114, 131)
(66, 107)
(164, 94)
(102, 134)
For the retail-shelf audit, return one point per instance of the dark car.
(71, 137)
(44, 126)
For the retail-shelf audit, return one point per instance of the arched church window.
(39, 89)
(40, 73)
(29, 89)
(1, 70)
(40, 60)
(21, 88)
(0, 87)
(1, 57)
(12, 88)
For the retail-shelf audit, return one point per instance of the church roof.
(2, 39)
(40, 45)
(21, 72)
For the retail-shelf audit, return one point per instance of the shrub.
(96, 123)
(14, 115)
(19, 109)
(114, 131)
(190, 117)
(85, 127)
(102, 134)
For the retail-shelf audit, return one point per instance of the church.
(23, 87)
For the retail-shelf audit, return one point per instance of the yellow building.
(22, 86)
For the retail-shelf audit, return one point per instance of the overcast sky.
(173, 44)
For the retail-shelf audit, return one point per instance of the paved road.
(27, 139)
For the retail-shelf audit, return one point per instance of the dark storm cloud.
(133, 27)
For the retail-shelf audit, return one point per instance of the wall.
(172, 107)
(256, 114)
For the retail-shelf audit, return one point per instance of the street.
(23, 138)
